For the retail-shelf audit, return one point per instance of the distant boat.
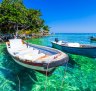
(39, 58)
(52, 33)
(76, 48)
(93, 38)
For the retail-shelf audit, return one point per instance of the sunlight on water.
(79, 76)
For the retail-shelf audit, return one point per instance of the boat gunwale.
(30, 44)
(87, 47)
(50, 65)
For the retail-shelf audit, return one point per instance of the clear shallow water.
(79, 76)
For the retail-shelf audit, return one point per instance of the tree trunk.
(16, 29)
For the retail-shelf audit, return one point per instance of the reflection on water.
(14, 76)
(79, 76)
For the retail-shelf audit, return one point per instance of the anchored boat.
(39, 58)
(75, 48)
(93, 38)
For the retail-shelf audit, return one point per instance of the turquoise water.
(79, 75)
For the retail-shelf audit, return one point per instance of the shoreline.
(25, 38)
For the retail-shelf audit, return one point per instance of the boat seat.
(24, 46)
(40, 60)
(73, 44)
(15, 43)
(26, 51)
(32, 57)
(18, 50)
(60, 42)
(47, 59)
(36, 57)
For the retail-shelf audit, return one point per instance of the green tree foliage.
(15, 16)
(46, 28)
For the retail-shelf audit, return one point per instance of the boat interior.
(69, 44)
(32, 53)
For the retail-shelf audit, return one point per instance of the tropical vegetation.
(15, 17)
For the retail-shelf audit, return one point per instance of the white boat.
(40, 58)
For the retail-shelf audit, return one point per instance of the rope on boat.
(31, 78)
(46, 77)
(19, 82)
(1, 40)
(64, 76)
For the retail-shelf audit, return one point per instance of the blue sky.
(67, 15)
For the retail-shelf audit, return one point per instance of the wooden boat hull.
(88, 51)
(34, 67)
(43, 67)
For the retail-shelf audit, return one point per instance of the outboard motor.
(91, 37)
(56, 40)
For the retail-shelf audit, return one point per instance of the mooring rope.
(64, 75)
(1, 40)
(31, 78)
(46, 77)
(19, 82)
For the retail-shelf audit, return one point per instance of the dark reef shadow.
(71, 60)
(92, 41)
(22, 77)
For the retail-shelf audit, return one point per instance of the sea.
(78, 75)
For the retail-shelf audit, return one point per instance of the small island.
(16, 19)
